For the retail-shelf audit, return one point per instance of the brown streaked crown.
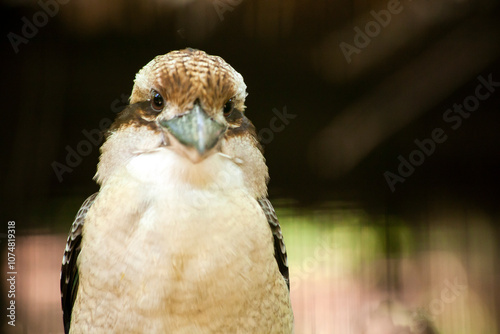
(184, 76)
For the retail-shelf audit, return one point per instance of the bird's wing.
(69, 269)
(279, 243)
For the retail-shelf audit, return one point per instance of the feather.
(69, 269)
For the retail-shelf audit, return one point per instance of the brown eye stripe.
(235, 119)
(136, 114)
(244, 126)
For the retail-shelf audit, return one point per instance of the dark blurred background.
(377, 227)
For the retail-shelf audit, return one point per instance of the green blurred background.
(362, 83)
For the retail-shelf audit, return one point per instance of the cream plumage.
(181, 237)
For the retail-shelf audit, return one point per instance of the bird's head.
(186, 106)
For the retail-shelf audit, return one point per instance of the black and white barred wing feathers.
(279, 243)
(69, 269)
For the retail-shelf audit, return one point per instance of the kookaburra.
(181, 237)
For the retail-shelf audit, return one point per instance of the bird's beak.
(197, 133)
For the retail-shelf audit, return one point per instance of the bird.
(181, 236)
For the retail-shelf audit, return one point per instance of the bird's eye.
(228, 108)
(156, 101)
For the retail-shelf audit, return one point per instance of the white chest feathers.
(169, 246)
